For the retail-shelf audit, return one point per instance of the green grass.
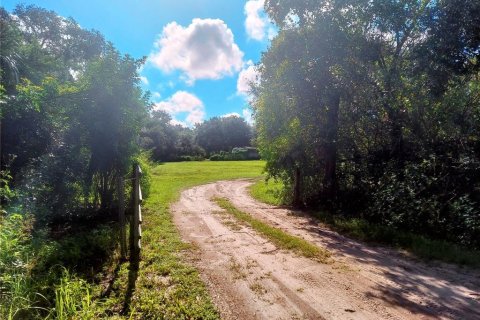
(361, 229)
(277, 236)
(267, 192)
(422, 247)
(167, 287)
(62, 279)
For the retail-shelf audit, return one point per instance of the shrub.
(143, 160)
(439, 198)
(247, 153)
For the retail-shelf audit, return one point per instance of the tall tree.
(357, 97)
(223, 134)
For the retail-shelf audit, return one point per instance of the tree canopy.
(72, 110)
(371, 107)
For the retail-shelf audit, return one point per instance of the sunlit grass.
(168, 286)
(267, 191)
(279, 237)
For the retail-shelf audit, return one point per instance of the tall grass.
(73, 298)
(31, 285)
(17, 296)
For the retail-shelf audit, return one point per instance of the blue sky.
(200, 52)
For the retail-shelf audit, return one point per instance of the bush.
(237, 154)
(438, 198)
(190, 158)
(16, 294)
(143, 160)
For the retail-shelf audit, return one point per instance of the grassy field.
(166, 286)
(267, 192)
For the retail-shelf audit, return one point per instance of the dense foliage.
(372, 108)
(223, 134)
(169, 142)
(71, 111)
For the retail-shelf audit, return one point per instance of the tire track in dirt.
(249, 278)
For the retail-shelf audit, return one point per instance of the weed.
(73, 298)
(422, 247)
(258, 288)
(237, 269)
(361, 229)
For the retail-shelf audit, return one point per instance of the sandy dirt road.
(249, 278)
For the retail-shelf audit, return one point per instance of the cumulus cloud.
(182, 102)
(254, 23)
(156, 95)
(247, 115)
(203, 50)
(249, 75)
(257, 23)
(144, 80)
(231, 114)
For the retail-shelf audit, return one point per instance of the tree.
(112, 115)
(223, 134)
(71, 122)
(357, 96)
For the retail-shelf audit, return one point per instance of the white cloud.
(249, 75)
(204, 50)
(183, 102)
(231, 114)
(156, 95)
(144, 80)
(254, 23)
(257, 23)
(247, 115)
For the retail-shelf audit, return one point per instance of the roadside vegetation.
(371, 109)
(361, 229)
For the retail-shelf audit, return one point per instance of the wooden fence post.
(121, 217)
(137, 213)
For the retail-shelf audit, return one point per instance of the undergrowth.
(422, 247)
(268, 191)
(361, 229)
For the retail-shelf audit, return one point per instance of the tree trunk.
(330, 150)
(397, 144)
(297, 193)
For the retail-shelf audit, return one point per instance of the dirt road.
(249, 278)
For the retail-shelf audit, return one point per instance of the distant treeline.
(218, 138)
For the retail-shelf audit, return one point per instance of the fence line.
(136, 218)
